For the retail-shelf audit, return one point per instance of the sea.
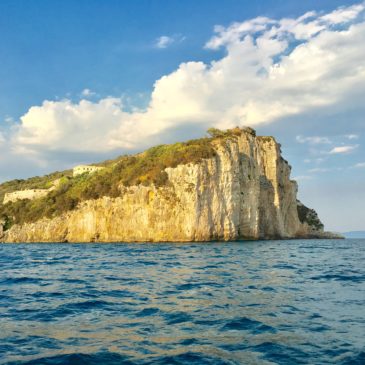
(250, 302)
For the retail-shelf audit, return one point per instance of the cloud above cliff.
(343, 149)
(360, 165)
(166, 41)
(313, 140)
(87, 93)
(271, 69)
(163, 41)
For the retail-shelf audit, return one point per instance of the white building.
(81, 169)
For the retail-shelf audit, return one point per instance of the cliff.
(241, 191)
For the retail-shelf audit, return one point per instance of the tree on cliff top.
(215, 132)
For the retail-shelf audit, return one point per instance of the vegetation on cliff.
(124, 216)
(309, 216)
(145, 168)
(37, 182)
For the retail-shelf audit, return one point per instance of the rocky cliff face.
(244, 192)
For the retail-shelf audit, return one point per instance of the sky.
(82, 81)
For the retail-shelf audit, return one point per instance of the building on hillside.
(82, 169)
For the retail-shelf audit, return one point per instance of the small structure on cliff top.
(82, 169)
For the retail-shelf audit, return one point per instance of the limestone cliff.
(243, 192)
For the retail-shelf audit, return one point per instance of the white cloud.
(234, 33)
(8, 119)
(83, 126)
(166, 41)
(318, 169)
(2, 138)
(343, 149)
(319, 160)
(303, 177)
(265, 75)
(304, 27)
(343, 14)
(313, 140)
(87, 93)
(360, 165)
(351, 136)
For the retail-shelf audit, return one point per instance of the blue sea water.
(265, 302)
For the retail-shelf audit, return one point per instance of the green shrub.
(215, 133)
(309, 216)
(146, 168)
(37, 182)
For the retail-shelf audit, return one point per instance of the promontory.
(232, 185)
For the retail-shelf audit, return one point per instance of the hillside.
(146, 168)
(238, 181)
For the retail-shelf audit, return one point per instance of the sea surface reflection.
(266, 302)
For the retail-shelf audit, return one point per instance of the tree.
(215, 132)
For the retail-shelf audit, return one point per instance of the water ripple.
(269, 302)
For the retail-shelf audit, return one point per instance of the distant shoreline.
(354, 234)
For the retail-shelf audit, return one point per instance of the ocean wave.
(272, 302)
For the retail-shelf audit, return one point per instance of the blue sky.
(81, 81)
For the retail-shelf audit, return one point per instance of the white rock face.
(30, 194)
(244, 192)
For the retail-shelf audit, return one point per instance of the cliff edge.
(237, 187)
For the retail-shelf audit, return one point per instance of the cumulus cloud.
(343, 149)
(304, 27)
(313, 140)
(343, 14)
(64, 125)
(271, 69)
